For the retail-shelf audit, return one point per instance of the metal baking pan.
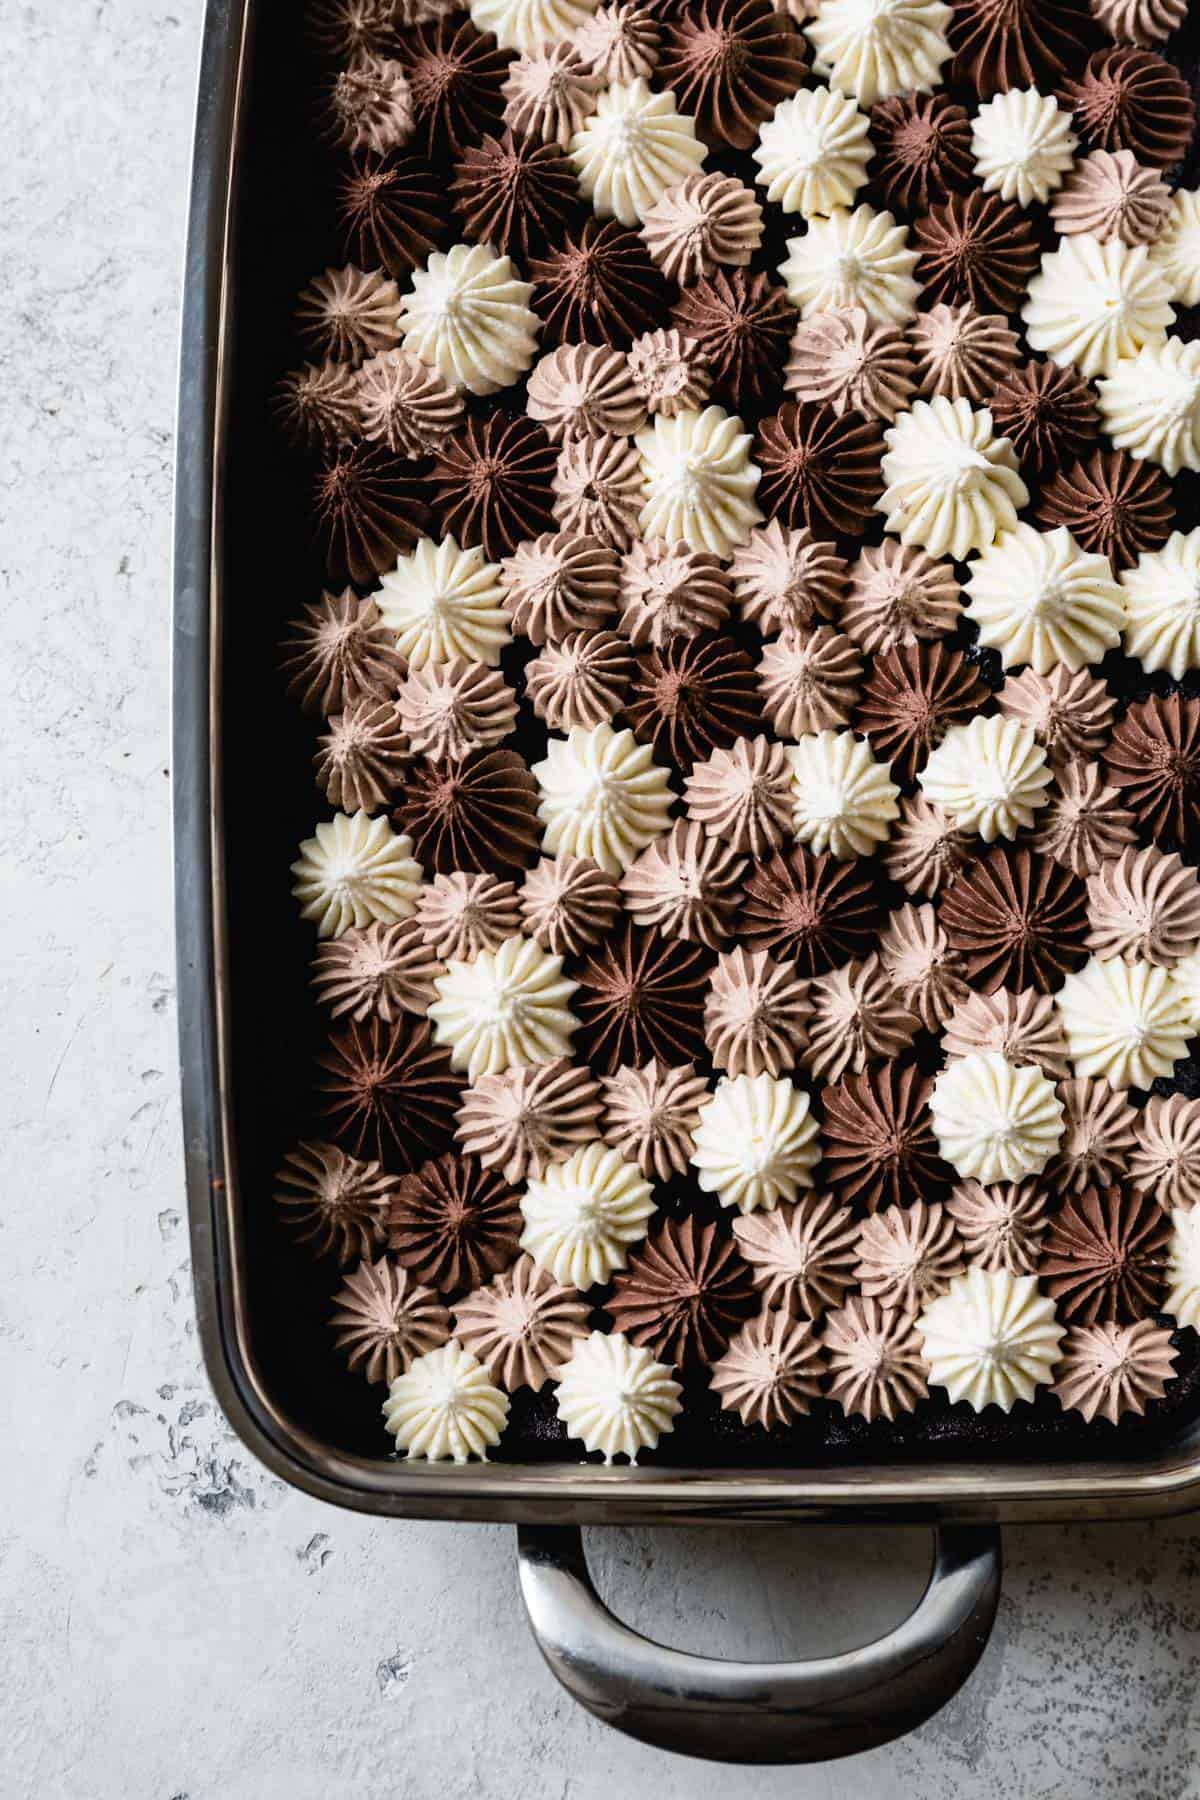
(733, 1711)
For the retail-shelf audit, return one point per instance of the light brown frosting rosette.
(686, 883)
(383, 1319)
(650, 1115)
(450, 709)
(1069, 713)
(361, 758)
(522, 1326)
(851, 362)
(1100, 1132)
(809, 681)
(705, 223)
(801, 1255)
(1106, 1370)
(787, 580)
(461, 914)
(530, 1116)
(1000, 1226)
(755, 1014)
(927, 974)
(1023, 1027)
(1166, 1158)
(580, 681)
(1110, 195)
(857, 1019)
(568, 902)
(876, 1366)
(1144, 907)
(908, 1255)
(384, 969)
(771, 1372)
(743, 795)
(580, 389)
(557, 584)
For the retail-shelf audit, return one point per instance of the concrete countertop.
(178, 1626)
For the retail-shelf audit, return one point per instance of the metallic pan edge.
(557, 1494)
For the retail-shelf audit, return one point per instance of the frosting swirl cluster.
(755, 703)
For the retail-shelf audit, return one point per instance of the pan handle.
(752, 1712)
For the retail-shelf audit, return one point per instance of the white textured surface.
(177, 1626)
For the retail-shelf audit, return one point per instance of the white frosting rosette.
(1023, 145)
(445, 603)
(991, 1338)
(355, 871)
(1125, 1022)
(990, 776)
(755, 1143)
(1150, 405)
(875, 48)
(632, 149)
(699, 481)
(952, 484)
(1182, 1300)
(603, 796)
(582, 1215)
(615, 1397)
(812, 153)
(994, 1120)
(529, 24)
(1162, 605)
(1176, 251)
(1039, 599)
(1185, 979)
(843, 800)
(1092, 303)
(444, 1408)
(469, 317)
(858, 258)
(504, 1008)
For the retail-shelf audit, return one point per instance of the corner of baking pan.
(558, 1493)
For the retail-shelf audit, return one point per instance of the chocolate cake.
(742, 623)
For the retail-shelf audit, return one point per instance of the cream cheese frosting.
(1023, 145)
(1186, 980)
(603, 796)
(756, 1142)
(582, 1215)
(849, 259)
(989, 776)
(952, 485)
(1126, 1022)
(1183, 1268)
(1093, 303)
(1039, 599)
(991, 1338)
(615, 1397)
(843, 800)
(995, 1121)
(443, 602)
(504, 1008)
(529, 24)
(444, 1408)
(356, 871)
(812, 153)
(699, 481)
(1150, 405)
(1162, 604)
(1176, 251)
(632, 149)
(875, 48)
(468, 316)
